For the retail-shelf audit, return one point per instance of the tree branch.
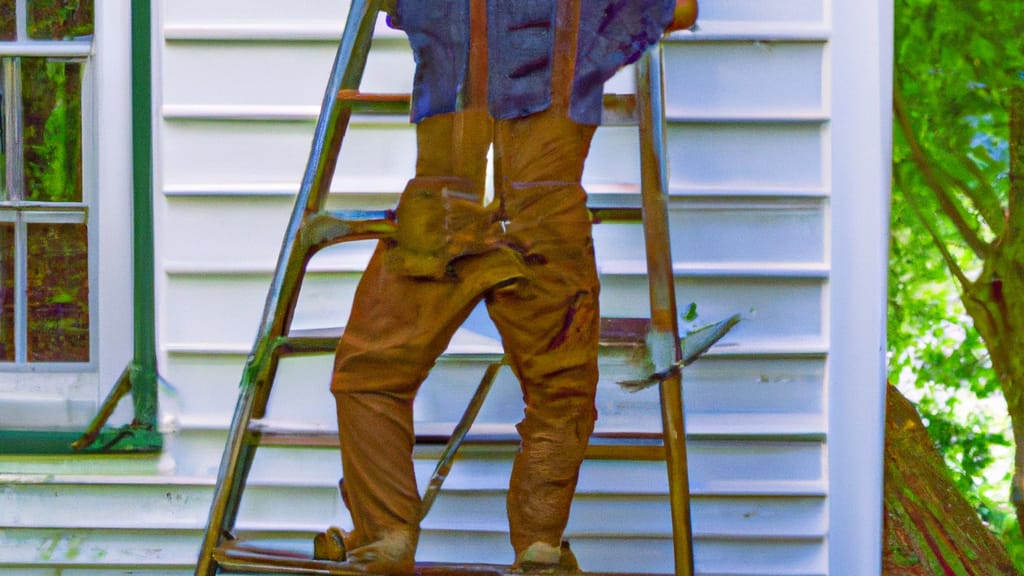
(984, 197)
(937, 239)
(1015, 212)
(942, 195)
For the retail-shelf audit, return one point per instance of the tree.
(959, 171)
(930, 529)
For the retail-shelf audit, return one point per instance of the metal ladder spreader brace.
(312, 228)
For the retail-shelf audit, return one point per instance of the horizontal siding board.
(203, 389)
(271, 73)
(310, 508)
(225, 310)
(178, 12)
(804, 557)
(647, 555)
(108, 548)
(747, 467)
(739, 232)
(126, 572)
(753, 11)
(245, 152)
(167, 550)
(194, 153)
(214, 233)
(744, 79)
(756, 154)
(761, 385)
(773, 309)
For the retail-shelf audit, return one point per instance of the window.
(54, 163)
(45, 311)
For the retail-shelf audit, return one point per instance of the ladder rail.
(330, 131)
(663, 340)
(331, 127)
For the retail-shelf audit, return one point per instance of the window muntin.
(45, 313)
(6, 292)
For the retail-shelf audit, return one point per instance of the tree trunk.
(930, 529)
(995, 300)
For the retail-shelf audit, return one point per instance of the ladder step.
(241, 556)
(331, 227)
(615, 332)
(617, 109)
(616, 214)
(368, 103)
(639, 447)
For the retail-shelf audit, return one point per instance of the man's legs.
(411, 299)
(549, 322)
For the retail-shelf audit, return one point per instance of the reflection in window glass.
(4, 192)
(8, 24)
(52, 129)
(6, 292)
(59, 19)
(58, 293)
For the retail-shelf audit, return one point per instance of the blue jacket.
(612, 34)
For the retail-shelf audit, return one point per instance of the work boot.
(543, 557)
(330, 545)
(395, 553)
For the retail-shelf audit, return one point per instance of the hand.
(684, 16)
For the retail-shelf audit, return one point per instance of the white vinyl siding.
(748, 163)
(753, 143)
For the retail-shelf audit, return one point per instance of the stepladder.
(312, 227)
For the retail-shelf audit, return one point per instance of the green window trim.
(127, 440)
(139, 378)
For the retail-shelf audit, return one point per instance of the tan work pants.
(531, 260)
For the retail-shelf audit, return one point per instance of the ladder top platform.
(239, 558)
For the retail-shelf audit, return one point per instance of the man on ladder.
(527, 76)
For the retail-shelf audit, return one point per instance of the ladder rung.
(615, 332)
(331, 227)
(603, 445)
(616, 214)
(310, 341)
(624, 331)
(617, 109)
(370, 103)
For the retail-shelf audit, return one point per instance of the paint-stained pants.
(529, 257)
(540, 286)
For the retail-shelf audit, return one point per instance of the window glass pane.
(52, 129)
(8, 25)
(59, 19)
(58, 293)
(3, 131)
(6, 292)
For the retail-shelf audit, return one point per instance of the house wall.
(758, 155)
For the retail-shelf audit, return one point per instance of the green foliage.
(8, 24)
(58, 19)
(955, 65)
(52, 130)
(1005, 526)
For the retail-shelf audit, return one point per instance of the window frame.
(109, 99)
